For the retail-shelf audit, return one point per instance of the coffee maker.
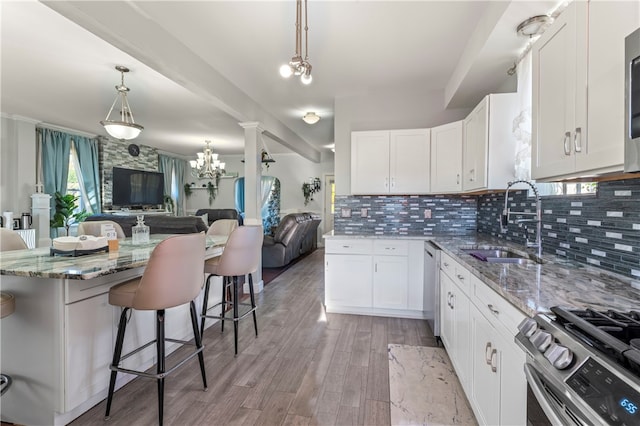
(26, 220)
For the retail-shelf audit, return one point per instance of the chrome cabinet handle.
(446, 264)
(577, 140)
(493, 310)
(487, 353)
(494, 356)
(386, 182)
(567, 148)
(346, 246)
(449, 299)
(453, 298)
(460, 277)
(393, 182)
(472, 175)
(389, 248)
(375, 267)
(458, 179)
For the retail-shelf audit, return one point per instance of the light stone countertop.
(39, 263)
(535, 288)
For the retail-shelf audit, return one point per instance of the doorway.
(329, 202)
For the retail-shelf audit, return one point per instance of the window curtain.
(269, 197)
(165, 164)
(87, 154)
(239, 195)
(266, 185)
(56, 147)
(179, 167)
(522, 122)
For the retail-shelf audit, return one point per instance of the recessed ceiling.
(198, 68)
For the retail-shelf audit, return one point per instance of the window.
(566, 188)
(74, 182)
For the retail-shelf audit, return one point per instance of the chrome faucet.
(504, 218)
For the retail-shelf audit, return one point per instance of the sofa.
(157, 224)
(295, 236)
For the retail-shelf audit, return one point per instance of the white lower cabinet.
(478, 328)
(374, 277)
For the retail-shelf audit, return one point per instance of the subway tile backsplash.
(405, 215)
(600, 230)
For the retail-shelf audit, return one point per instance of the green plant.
(65, 213)
(187, 190)
(307, 192)
(211, 190)
(168, 201)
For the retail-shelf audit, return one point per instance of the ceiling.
(199, 68)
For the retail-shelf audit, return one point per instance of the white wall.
(17, 164)
(291, 169)
(405, 109)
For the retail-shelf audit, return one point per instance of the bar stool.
(7, 307)
(241, 256)
(223, 227)
(94, 228)
(173, 277)
(11, 240)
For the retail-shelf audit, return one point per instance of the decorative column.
(252, 187)
(40, 210)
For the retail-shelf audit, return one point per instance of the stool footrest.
(157, 375)
(228, 318)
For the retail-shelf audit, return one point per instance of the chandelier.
(125, 128)
(297, 65)
(207, 165)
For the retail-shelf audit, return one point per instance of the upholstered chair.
(95, 228)
(11, 240)
(241, 256)
(173, 277)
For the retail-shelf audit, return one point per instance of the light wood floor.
(305, 368)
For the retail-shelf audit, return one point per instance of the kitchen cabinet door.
(390, 285)
(409, 161)
(558, 98)
(461, 335)
(604, 145)
(370, 162)
(476, 147)
(89, 348)
(446, 158)
(446, 313)
(348, 280)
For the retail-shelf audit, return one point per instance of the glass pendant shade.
(125, 128)
(121, 130)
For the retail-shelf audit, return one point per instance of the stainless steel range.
(583, 367)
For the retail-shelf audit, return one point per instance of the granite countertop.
(535, 288)
(39, 263)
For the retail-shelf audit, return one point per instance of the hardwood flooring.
(305, 368)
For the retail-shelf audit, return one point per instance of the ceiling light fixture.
(207, 165)
(532, 26)
(297, 65)
(125, 128)
(311, 118)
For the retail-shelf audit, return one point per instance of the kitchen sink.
(499, 255)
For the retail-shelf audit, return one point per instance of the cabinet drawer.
(391, 247)
(349, 246)
(459, 274)
(494, 306)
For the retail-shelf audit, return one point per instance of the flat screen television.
(133, 188)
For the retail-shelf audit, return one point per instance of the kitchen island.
(58, 344)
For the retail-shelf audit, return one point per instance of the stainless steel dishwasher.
(432, 286)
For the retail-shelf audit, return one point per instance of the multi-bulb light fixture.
(207, 165)
(125, 128)
(298, 66)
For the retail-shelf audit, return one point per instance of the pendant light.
(298, 66)
(125, 128)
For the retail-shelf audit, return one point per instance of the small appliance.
(26, 221)
(8, 219)
(632, 102)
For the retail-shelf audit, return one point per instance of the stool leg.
(253, 303)
(160, 367)
(223, 307)
(205, 305)
(235, 313)
(198, 341)
(117, 352)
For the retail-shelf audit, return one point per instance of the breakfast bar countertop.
(536, 287)
(38, 263)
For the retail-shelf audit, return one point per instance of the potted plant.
(187, 190)
(168, 202)
(307, 192)
(65, 214)
(211, 190)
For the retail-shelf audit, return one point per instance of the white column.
(40, 210)
(252, 177)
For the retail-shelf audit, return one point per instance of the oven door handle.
(537, 388)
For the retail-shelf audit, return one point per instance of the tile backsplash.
(391, 215)
(601, 230)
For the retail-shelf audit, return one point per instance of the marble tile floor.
(424, 388)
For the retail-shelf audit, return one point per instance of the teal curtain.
(56, 147)
(239, 195)
(180, 166)
(87, 151)
(165, 164)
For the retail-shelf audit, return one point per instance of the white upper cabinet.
(578, 90)
(446, 158)
(390, 162)
(489, 147)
